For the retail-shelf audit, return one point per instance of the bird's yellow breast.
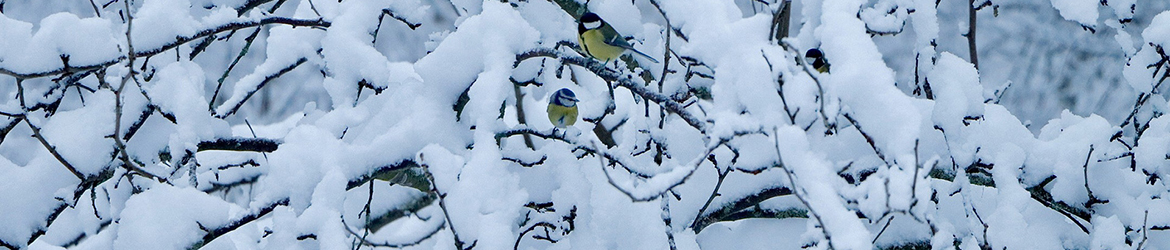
(594, 43)
(562, 116)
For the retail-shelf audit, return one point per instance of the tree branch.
(236, 106)
(240, 144)
(728, 210)
(608, 75)
(236, 224)
(318, 23)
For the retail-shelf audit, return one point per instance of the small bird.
(601, 41)
(562, 108)
(815, 57)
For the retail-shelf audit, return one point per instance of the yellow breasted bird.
(817, 59)
(562, 108)
(601, 41)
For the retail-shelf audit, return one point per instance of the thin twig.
(365, 242)
(666, 221)
(714, 193)
(118, 143)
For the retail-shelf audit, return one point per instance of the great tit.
(816, 58)
(601, 41)
(562, 108)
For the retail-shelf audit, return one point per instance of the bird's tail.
(644, 55)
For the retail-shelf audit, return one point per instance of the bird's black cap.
(589, 17)
(814, 52)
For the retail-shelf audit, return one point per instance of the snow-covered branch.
(609, 75)
(145, 52)
(240, 144)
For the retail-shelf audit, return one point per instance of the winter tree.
(420, 124)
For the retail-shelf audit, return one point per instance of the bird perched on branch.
(816, 58)
(601, 41)
(562, 108)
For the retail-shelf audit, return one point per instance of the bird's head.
(565, 97)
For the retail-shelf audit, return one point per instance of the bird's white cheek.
(592, 25)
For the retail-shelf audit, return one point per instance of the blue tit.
(562, 108)
(601, 41)
(816, 58)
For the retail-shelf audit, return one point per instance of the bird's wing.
(613, 38)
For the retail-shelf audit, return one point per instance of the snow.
(86, 148)
(85, 41)
(955, 169)
(160, 21)
(1123, 9)
(350, 56)
(185, 211)
(1156, 33)
(1080, 11)
(178, 91)
(957, 91)
(1108, 233)
(26, 191)
(843, 227)
(863, 75)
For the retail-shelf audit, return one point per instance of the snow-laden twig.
(240, 144)
(622, 160)
(53, 150)
(241, 24)
(730, 210)
(118, 143)
(427, 235)
(446, 215)
(655, 186)
(714, 192)
(868, 139)
(232, 105)
(666, 221)
(214, 233)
